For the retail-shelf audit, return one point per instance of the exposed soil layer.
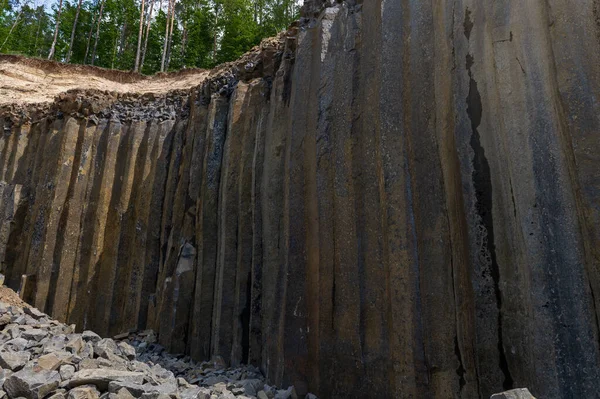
(25, 80)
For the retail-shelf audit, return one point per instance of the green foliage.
(205, 32)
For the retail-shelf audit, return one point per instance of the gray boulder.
(122, 394)
(250, 387)
(106, 348)
(14, 360)
(90, 336)
(522, 393)
(31, 384)
(139, 390)
(16, 344)
(102, 377)
(34, 334)
(289, 393)
(33, 312)
(4, 374)
(59, 394)
(127, 350)
(67, 371)
(84, 392)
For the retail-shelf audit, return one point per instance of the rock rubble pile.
(42, 358)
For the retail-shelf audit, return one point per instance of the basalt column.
(395, 199)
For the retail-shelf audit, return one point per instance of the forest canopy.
(142, 35)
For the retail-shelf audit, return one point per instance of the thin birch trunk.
(164, 56)
(139, 46)
(14, 25)
(89, 40)
(97, 32)
(53, 48)
(73, 31)
(148, 25)
(170, 36)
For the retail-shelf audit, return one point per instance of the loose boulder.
(522, 393)
(31, 384)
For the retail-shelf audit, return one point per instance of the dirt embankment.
(26, 81)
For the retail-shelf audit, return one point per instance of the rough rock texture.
(135, 368)
(394, 199)
(522, 393)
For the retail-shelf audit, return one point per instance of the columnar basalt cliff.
(394, 199)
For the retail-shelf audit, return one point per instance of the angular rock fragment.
(126, 350)
(90, 336)
(49, 361)
(5, 319)
(75, 345)
(67, 371)
(31, 384)
(102, 377)
(33, 312)
(4, 374)
(58, 394)
(84, 392)
(289, 393)
(105, 348)
(16, 344)
(123, 393)
(521, 393)
(14, 360)
(34, 334)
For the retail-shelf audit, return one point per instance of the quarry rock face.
(392, 199)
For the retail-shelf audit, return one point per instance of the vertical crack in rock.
(468, 24)
(483, 191)
(596, 12)
(460, 370)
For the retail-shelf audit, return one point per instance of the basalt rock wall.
(394, 199)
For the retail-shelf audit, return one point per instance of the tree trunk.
(164, 56)
(170, 36)
(87, 47)
(14, 25)
(112, 65)
(216, 32)
(37, 35)
(139, 46)
(73, 31)
(148, 24)
(122, 41)
(97, 32)
(184, 43)
(53, 48)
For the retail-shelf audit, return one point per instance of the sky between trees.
(143, 35)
